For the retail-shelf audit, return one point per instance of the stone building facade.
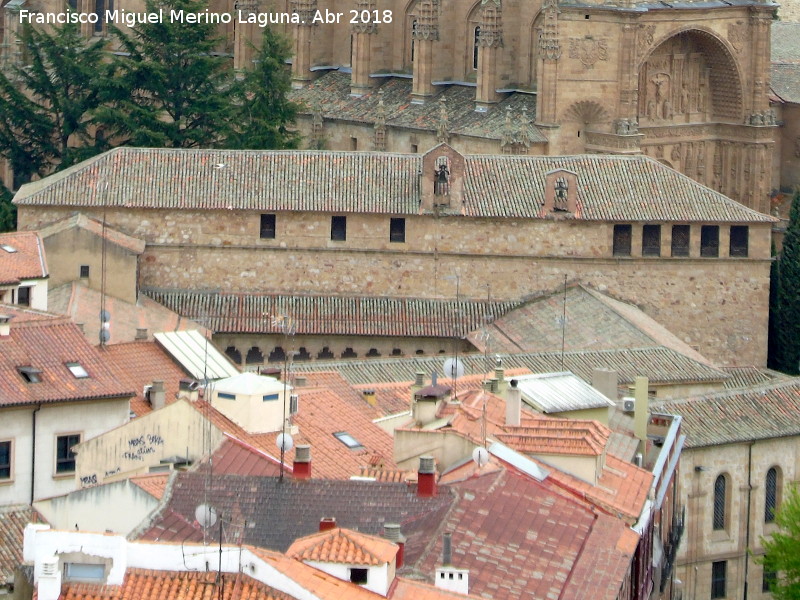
(438, 225)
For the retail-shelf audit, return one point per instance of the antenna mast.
(564, 323)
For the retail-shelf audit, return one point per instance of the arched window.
(475, 45)
(771, 495)
(720, 499)
(413, 31)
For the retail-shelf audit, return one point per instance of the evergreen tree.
(782, 549)
(264, 113)
(46, 105)
(174, 91)
(8, 212)
(785, 299)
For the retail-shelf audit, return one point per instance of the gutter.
(33, 453)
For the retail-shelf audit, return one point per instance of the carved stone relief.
(737, 35)
(588, 50)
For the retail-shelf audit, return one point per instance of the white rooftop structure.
(249, 384)
(560, 392)
(196, 354)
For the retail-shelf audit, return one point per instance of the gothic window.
(680, 240)
(739, 239)
(720, 501)
(475, 45)
(254, 356)
(718, 579)
(651, 240)
(101, 6)
(709, 241)
(622, 240)
(325, 353)
(302, 354)
(277, 355)
(349, 353)
(413, 33)
(770, 495)
(232, 353)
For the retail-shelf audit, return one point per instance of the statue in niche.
(685, 99)
(667, 109)
(651, 109)
(676, 154)
(701, 160)
(702, 99)
(689, 165)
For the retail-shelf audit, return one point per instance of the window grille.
(720, 492)
(622, 240)
(680, 240)
(771, 495)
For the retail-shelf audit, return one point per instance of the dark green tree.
(8, 212)
(174, 90)
(265, 115)
(782, 549)
(784, 312)
(46, 105)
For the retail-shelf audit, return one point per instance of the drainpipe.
(33, 453)
(747, 520)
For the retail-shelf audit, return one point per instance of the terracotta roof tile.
(611, 188)
(12, 527)
(236, 457)
(557, 436)
(408, 589)
(154, 484)
(26, 260)
(343, 546)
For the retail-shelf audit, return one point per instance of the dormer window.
(77, 370)
(348, 440)
(358, 576)
(30, 374)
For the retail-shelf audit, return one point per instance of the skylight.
(77, 370)
(7, 248)
(347, 439)
(30, 374)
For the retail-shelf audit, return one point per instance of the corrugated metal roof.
(196, 354)
(560, 392)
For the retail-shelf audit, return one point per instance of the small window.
(353, 144)
(338, 229)
(397, 230)
(226, 396)
(84, 572)
(397, 352)
(768, 580)
(718, 579)
(270, 397)
(739, 241)
(720, 501)
(709, 241)
(414, 148)
(476, 44)
(325, 353)
(254, 356)
(65, 457)
(680, 240)
(267, 227)
(347, 439)
(24, 296)
(651, 240)
(84, 271)
(233, 353)
(770, 495)
(277, 355)
(358, 576)
(373, 353)
(77, 370)
(413, 38)
(30, 374)
(622, 240)
(349, 353)
(5, 460)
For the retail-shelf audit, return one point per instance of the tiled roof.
(46, 346)
(225, 312)
(144, 584)
(757, 413)
(235, 457)
(94, 226)
(330, 94)
(138, 364)
(741, 377)
(557, 436)
(785, 40)
(594, 321)
(339, 545)
(785, 81)
(409, 589)
(12, 527)
(660, 365)
(611, 188)
(82, 305)
(154, 484)
(26, 261)
(272, 514)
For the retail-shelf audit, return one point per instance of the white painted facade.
(453, 580)
(9, 294)
(254, 402)
(379, 577)
(88, 419)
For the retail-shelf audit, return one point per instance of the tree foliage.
(785, 299)
(782, 549)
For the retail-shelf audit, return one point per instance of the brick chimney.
(514, 405)
(391, 531)
(326, 523)
(302, 462)
(426, 477)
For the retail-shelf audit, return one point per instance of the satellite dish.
(104, 335)
(105, 316)
(480, 456)
(453, 368)
(206, 515)
(284, 442)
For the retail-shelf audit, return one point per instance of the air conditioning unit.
(628, 405)
(294, 404)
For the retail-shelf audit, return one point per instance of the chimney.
(5, 325)
(426, 477)
(302, 463)
(49, 585)
(606, 381)
(141, 334)
(369, 397)
(447, 576)
(158, 397)
(187, 389)
(514, 405)
(447, 549)
(419, 379)
(391, 531)
(640, 413)
(500, 376)
(326, 523)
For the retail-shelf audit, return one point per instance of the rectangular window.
(739, 241)
(353, 144)
(65, 457)
(5, 460)
(338, 229)
(225, 396)
(680, 240)
(84, 572)
(718, 579)
(84, 271)
(24, 296)
(622, 240)
(651, 240)
(30, 374)
(358, 576)
(768, 580)
(347, 439)
(709, 241)
(77, 370)
(270, 397)
(267, 227)
(397, 230)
